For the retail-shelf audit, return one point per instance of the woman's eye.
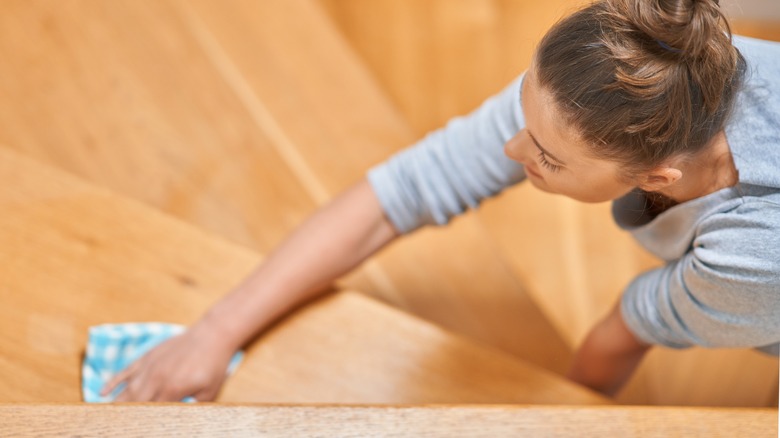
(550, 166)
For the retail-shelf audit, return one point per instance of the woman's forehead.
(544, 123)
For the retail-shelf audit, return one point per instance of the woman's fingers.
(170, 393)
(119, 378)
(137, 390)
(180, 367)
(210, 394)
(207, 394)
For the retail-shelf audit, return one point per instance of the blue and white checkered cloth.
(113, 347)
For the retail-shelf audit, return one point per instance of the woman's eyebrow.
(546, 153)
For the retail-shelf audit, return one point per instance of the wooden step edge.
(383, 420)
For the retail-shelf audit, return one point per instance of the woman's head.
(630, 85)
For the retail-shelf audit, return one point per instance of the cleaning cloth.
(113, 347)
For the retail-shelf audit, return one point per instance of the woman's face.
(555, 158)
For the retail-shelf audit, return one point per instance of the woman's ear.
(659, 179)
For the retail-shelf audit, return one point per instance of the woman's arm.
(608, 357)
(333, 241)
(443, 175)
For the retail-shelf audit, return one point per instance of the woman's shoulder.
(759, 53)
(742, 41)
(744, 238)
(754, 203)
(753, 131)
(745, 41)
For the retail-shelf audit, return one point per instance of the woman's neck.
(711, 170)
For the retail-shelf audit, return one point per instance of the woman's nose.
(513, 148)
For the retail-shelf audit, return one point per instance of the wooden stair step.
(78, 255)
(386, 421)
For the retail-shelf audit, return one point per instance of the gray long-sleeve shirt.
(720, 286)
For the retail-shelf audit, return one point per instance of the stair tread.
(387, 421)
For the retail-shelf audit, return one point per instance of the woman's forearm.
(330, 243)
(608, 357)
(334, 240)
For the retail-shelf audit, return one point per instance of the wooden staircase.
(152, 149)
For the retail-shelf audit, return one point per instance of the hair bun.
(685, 28)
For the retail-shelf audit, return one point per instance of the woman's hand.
(191, 364)
(348, 229)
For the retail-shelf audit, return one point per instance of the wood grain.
(241, 117)
(123, 96)
(385, 421)
(76, 256)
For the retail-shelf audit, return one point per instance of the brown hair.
(642, 80)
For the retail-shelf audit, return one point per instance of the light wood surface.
(241, 117)
(438, 59)
(386, 421)
(763, 29)
(351, 349)
(76, 256)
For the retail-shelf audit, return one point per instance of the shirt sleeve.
(725, 292)
(454, 168)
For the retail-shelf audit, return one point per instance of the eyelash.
(550, 166)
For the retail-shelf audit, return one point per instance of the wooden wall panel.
(439, 58)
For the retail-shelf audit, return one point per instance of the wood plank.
(438, 59)
(370, 353)
(385, 421)
(77, 256)
(126, 97)
(122, 95)
(241, 117)
(705, 377)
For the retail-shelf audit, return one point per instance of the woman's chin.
(541, 185)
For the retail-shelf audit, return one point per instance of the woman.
(646, 103)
